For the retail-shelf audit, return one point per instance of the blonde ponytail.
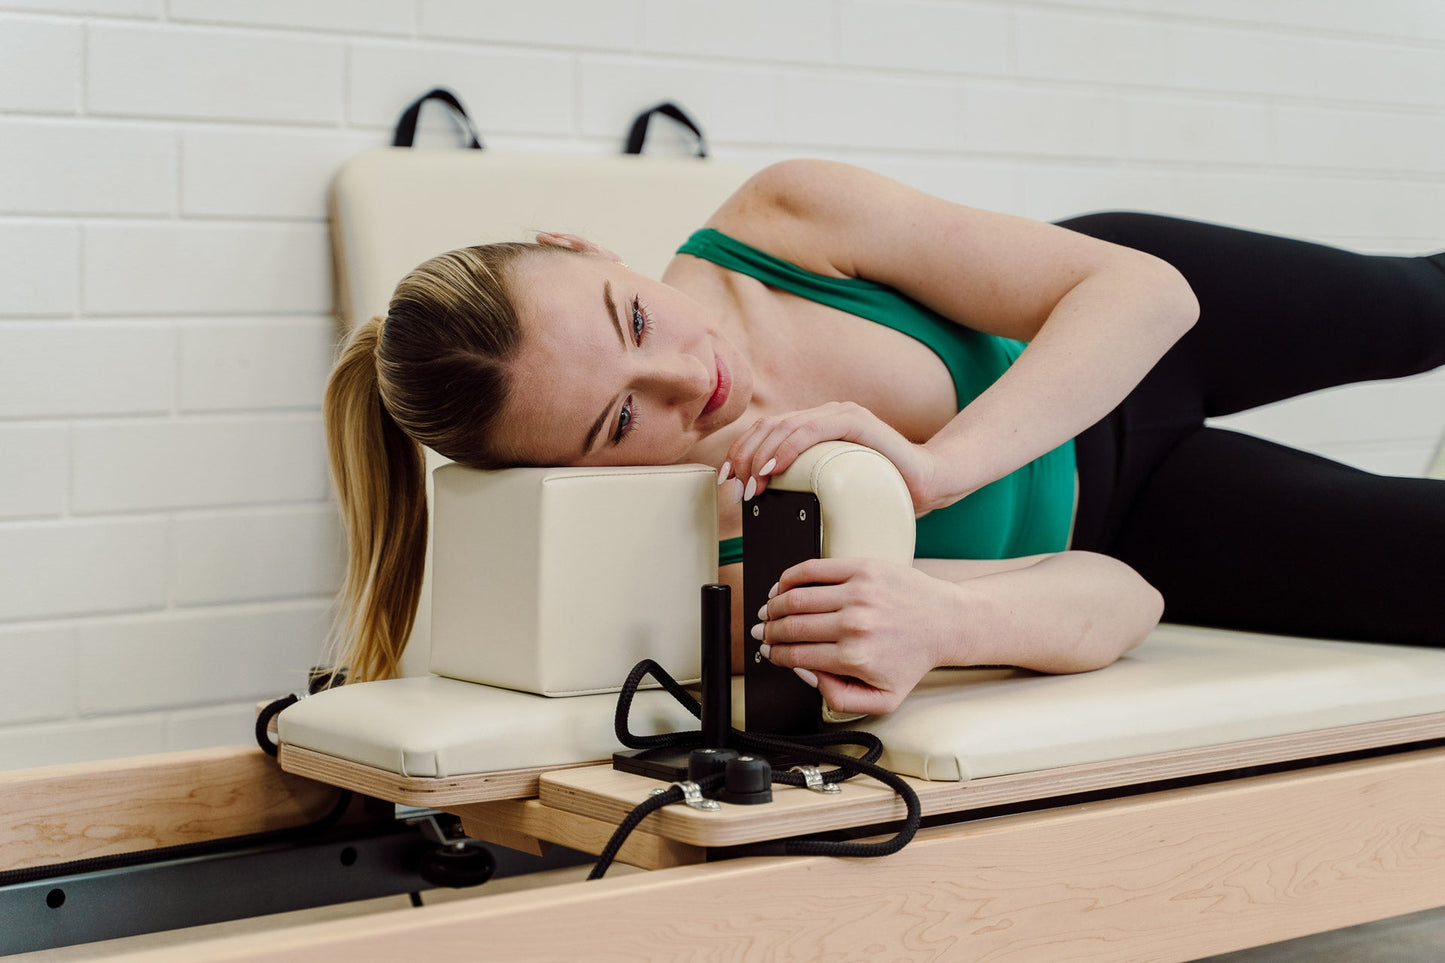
(433, 372)
(381, 486)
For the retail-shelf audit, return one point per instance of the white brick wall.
(168, 548)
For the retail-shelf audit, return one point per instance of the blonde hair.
(433, 372)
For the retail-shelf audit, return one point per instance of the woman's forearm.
(1070, 612)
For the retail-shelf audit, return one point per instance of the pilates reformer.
(1212, 790)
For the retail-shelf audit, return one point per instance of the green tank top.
(1025, 513)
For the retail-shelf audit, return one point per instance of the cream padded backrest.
(558, 580)
(392, 208)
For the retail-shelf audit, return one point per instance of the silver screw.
(802, 514)
(758, 656)
(755, 511)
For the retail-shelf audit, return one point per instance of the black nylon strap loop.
(638, 134)
(405, 132)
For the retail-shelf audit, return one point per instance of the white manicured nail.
(751, 490)
(757, 632)
(807, 676)
(737, 491)
(766, 650)
(774, 590)
(772, 463)
(724, 471)
(763, 613)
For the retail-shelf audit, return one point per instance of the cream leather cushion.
(559, 580)
(430, 726)
(867, 511)
(1183, 688)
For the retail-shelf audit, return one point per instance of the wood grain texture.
(61, 813)
(523, 819)
(435, 792)
(1166, 876)
(600, 793)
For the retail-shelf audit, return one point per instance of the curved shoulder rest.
(867, 511)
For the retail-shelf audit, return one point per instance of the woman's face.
(615, 368)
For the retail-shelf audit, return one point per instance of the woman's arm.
(867, 630)
(1097, 316)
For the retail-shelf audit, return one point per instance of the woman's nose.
(679, 378)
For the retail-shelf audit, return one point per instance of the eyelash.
(627, 421)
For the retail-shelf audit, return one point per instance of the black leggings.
(1240, 532)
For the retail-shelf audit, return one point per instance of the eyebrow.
(611, 307)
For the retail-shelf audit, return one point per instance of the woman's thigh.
(1240, 532)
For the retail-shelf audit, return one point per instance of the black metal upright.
(717, 675)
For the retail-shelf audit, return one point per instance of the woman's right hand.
(772, 444)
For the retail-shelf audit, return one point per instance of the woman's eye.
(624, 420)
(639, 320)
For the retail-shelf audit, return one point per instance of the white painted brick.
(1317, 206)
(206, 268)
(1236, 60)
(528, 92)
(39, 678)
(1409, 19)
(1372, 139)
(255, 364)
(1056, 122)
(1188, 129)
(913, 35)
(339, 16)
(107, 8)
(844, 109)
(212, 74)
(197, 462)
(1380, 73)
(600, 24)
(39, 66)
(227, 725)
(276, 553)
(83, 740)
(39, 266)
(1405, 410)
(34, 470)
(70, 167)
(194, 657)
(86, 368)
(1050, 192)
(252, 173)
(1092, 49)
(68, 568)
(783, 31)
(730, 104)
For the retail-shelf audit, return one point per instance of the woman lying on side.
(1041, 388)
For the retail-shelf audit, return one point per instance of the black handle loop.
(638, 134)
(405, 132)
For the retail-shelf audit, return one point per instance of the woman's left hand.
(865, 629)
(771, 444)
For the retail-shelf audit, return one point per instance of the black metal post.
(717, 679)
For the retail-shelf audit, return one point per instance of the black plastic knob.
(708, 762)
(748, 780)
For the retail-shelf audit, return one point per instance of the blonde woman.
(1042, 389)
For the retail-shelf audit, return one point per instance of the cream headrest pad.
(558, 580)
(867, 511)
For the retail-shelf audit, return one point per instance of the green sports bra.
(1025, 513)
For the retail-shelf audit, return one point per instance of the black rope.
(812, 745)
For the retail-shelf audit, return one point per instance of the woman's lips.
(721, 392)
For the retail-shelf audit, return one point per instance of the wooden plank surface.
(61, 813)
(603, 794)
(1166, 876)
(517, 822)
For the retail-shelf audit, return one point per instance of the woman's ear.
(574, 243)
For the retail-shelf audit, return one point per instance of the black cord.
(811, 745)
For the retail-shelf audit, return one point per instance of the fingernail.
(807, 676)
(766, 650)
(724, 471)
(757, 632)
(737, 491)
(763, 613)
(751, 490)
(772, 463)
(774, 590)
